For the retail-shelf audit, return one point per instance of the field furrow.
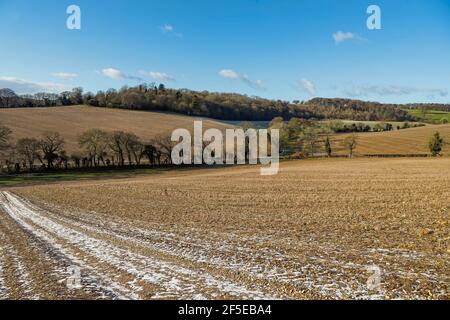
(320, 229)
(170, 280)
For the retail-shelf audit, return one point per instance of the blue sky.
(282, 49)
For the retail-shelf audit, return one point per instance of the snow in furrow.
(101, 282)
(23, 276)
(176, 281)
(239, 259)
(4, 292)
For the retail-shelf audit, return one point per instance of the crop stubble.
(310, 232)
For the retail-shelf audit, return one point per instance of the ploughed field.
(72, 121)
(413, 141)
(319, 229)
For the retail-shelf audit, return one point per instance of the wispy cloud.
(307, 86)
(22, 86)
(341, 36)
(159, 76)
(392, 90)
(64, 75)
(116, 74)
(227, 73)
(169, 29)
(233, 75)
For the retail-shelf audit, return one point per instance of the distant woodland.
(222, 106)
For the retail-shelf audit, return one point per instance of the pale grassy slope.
(72, 121)
(407, 141)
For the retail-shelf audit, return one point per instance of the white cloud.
(392, 90)
(64, 75)
(307, 86)
(343, 36)
(227, 73)
(116, 74)
(169, 29)
(160, 76)
(113, 73)
(233, 75)
(21, 86)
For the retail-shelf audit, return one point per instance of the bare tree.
(76, 96)
(76, 158)
(310, 137)
(117, 145)
(130, 141)
(350, 142)
(164, 146)
(151, 152)
(5, 134)
(7, 98)
(28, 151)
(137, 149)
(50, 144)
(95, 142)
(12, 161)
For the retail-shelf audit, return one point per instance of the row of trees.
(224, 106)
(298, 137)
(429, 106)
(9, 99)
(119, 148)
(97, 148)
(338, 126)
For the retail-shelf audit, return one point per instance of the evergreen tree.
(435, 144)
(328, 147)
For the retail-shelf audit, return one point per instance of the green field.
(433, 116)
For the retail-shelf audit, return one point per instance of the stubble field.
(413, 141)
(72, 121)
(319, 229)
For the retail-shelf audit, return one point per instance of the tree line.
(299, 138)
(98, 148)
(222, 106)
(338, 126)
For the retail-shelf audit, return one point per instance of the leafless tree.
(28, 151)
(350, 142)
(95, 142)
(50, 144)
(117, 141)
(5, 134)
(7, 98)
(164, 145)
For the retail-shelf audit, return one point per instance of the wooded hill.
(223, 106)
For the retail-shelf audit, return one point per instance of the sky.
(277, 49)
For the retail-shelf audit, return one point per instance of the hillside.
(216, 105)
(401, 142)
(72, 121)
